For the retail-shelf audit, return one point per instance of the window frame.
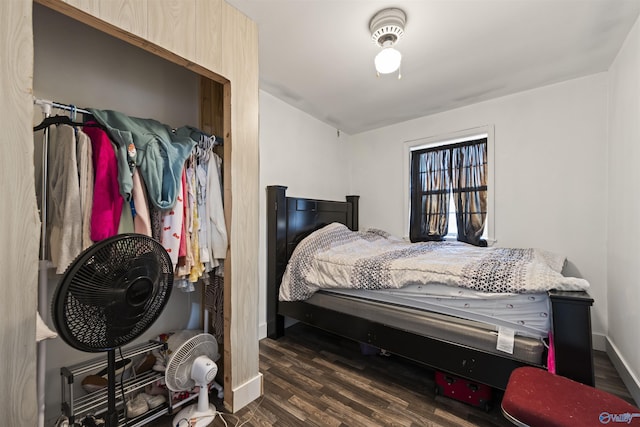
(449, 139)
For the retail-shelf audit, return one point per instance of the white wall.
(623, 210)
(558, 206)
(78, 65)
(550, 180)
(302, 153)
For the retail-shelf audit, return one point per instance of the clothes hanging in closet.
(192, 229)
(153, 148)
(196, 266)
(172, 226)
(141, 217)
(65, 219)
(207, 190)
(107, 201)
(84, 150)
(204, 215)
(217, 230)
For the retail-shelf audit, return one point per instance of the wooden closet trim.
(227, 306)
(214, 95)
(119, 33)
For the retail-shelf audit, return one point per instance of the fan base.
(197, 418)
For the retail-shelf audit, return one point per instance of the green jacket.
(160, 154)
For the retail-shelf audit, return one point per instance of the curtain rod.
(46, 106)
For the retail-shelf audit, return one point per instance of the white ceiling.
(317, 55)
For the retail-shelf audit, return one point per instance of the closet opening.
(82, 61)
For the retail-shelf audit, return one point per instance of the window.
(449, 183)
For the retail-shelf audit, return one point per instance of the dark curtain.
(469, 185)
(458, 170)
(432, 195)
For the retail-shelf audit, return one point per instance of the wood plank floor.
(313, 378)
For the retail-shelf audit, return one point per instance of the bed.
(433, 330)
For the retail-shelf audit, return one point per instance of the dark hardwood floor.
(313, 378)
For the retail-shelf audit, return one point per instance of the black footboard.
(571, 313)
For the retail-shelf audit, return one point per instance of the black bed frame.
(289, 219)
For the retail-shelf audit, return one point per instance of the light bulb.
(388, 60)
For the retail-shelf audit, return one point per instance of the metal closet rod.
(47, 105)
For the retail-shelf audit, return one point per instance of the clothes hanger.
(63, 120)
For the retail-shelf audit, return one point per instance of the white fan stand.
(200, 415)
(191, 365)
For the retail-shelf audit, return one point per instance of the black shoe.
(91, 421)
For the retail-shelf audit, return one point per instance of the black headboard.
(289, 220)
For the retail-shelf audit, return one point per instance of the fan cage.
(178, 371)
(112, 292)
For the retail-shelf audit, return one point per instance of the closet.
(212, 104)
(77, 64)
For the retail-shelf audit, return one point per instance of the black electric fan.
(109, 295)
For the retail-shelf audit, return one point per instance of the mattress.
(525, 314)
(471, 333)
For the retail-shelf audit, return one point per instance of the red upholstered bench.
(535, 397)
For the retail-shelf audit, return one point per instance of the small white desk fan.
(193, 364)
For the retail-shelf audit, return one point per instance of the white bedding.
(336, 257)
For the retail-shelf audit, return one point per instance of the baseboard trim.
(262, 331)
(247, 392)
(599, 342)
(628, 378)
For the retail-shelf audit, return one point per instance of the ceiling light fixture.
(387, 27)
